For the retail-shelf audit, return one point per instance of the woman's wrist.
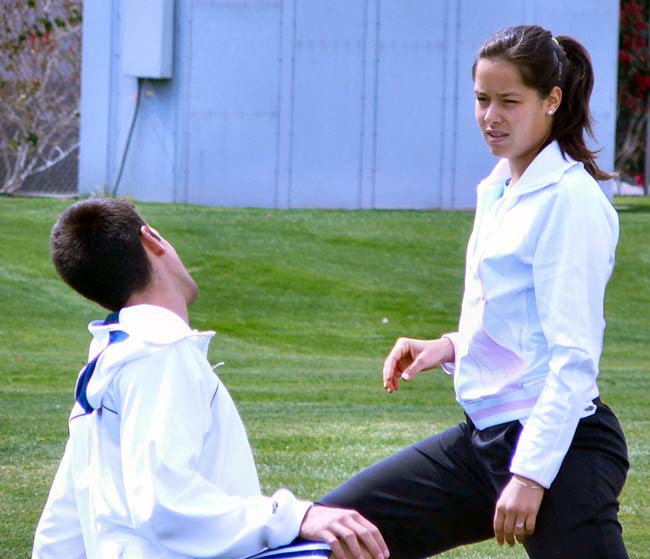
(525, 482)
(449, 354)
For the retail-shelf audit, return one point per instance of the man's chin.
(192, 295)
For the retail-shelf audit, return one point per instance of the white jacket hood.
(143, 338)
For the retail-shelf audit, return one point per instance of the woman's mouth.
(494, 137)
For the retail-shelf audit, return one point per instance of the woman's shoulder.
(578, 198)
(578, 186)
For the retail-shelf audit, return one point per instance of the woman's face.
(513, 118)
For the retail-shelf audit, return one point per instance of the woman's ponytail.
(573, 118)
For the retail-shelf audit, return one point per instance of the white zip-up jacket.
(162, 467)
(531, 327)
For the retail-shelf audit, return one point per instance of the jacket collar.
(547, 168)
(149, 327)
(147, 323)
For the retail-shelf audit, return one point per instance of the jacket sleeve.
(572, 264)
(166, 417)
(58, 534)
(454, 338)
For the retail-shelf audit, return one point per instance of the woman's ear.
(554, 100)
(151, 240)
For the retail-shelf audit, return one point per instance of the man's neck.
(174, 304)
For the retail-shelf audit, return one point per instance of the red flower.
(643, 83)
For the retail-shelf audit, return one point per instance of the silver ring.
(519, 525)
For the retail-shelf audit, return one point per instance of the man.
(158, 464)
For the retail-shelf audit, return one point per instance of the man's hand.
(409, 357)
(348, 533)
(516, 510)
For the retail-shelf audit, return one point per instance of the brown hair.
(96, 249)
(544, 62)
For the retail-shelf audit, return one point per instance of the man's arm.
(166, 411)
(58, 535)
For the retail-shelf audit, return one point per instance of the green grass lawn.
(306, 305)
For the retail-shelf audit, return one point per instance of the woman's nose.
(491, 114)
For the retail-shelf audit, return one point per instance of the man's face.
(176, 272)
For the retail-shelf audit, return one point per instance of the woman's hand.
(408, 357)
(516, 510)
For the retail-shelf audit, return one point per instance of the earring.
(549, 112)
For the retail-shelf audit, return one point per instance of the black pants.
(441, 492)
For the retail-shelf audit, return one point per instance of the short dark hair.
(96, 249)
(544, 62)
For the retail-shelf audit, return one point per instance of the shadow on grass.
(632, 204)
(622, 208)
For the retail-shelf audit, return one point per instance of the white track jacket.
(532, 320)
(162, 467)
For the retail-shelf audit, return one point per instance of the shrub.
(633, 90)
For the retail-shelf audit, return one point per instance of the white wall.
(314, 103)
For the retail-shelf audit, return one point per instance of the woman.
(540, 459)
